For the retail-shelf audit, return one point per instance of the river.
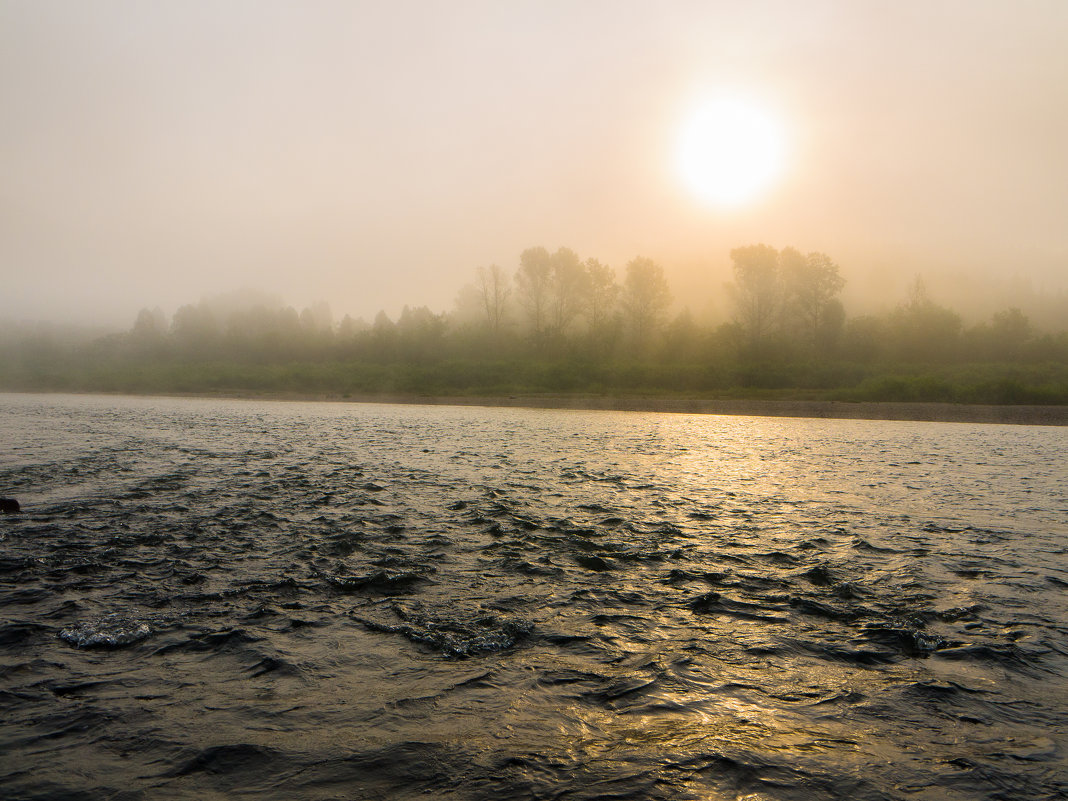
(213, 599)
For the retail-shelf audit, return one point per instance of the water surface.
(224, 599)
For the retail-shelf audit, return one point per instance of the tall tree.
(420, 333)
(646, 297)
(568, 288)
(602, 296)
(533, 279)
(318, 319)
(757, 291)
(493, 292)
(383, 338)
(195, 329)
(149, 332)
(812, 285)
(348, 328)
(150, 325)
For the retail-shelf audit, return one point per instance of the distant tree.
(348, 328)
(568, 290)
(493, 292)
(812, 285)
(226, 304)
(419, 333)
(383, 336)
(922, 330)
(150, 324)
(253, 325)
(148, 337)
(317, 319)
(602, 295)
(1006, 336)
(1011, 327)
(533, 280)
(681, 337)
(864, 338)
(646, 297)
(196, 330)
(757, 291)
(832, 324)
(288, 325)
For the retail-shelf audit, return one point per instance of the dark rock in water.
(9, 506)
(111, 631)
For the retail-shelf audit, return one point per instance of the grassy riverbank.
(1003, 384)
(1026, 392)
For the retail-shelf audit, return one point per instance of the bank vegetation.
(563, 325)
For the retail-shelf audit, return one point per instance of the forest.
(563, 325)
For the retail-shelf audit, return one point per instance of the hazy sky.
(373, 154)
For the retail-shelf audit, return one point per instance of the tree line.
(558, 322)
(786, 305)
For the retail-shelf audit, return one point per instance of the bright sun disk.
(730, 150)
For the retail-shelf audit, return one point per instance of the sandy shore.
(930, 412)
(941, 412)
(933, 412)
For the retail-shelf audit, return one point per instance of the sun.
(730, 150)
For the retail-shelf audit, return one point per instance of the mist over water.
(215, 599)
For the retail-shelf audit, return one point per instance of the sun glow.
(730, 150)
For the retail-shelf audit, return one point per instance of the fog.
(373, 155)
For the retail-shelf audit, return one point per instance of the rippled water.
(223, 599)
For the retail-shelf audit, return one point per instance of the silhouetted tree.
(196, 330)
(812, 284)
(419, 333)
(493, 292)
(602, 302)
(348, 328)
(757, 291)
(383, 337)
(150, 325)
(317, 319)
(568, 288)
(681, 338)
(533, 280)
(646, 297)
(864, 338)
(1012, 328)
(148, 336)
(603, 293)
(921, 329)
(1006, 336)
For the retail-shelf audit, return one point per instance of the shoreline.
(1053, 415)
(843, 410)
